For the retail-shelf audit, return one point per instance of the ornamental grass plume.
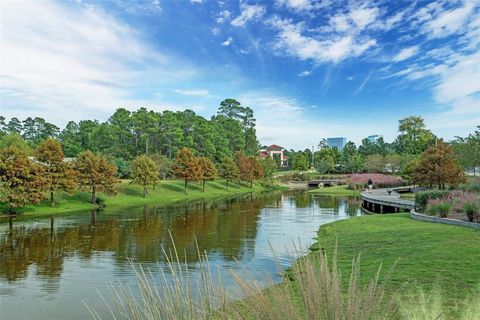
(432, 306)
(379, 180)
(313, 288)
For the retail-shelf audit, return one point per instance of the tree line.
(126, 134)
(28, 179)
(401, 156)
(143, 145)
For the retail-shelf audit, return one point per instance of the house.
(276, 153)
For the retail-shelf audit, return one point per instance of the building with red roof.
(276, 153)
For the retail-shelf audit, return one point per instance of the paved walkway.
(387, 197)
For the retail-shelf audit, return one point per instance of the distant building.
(374, 138)
(338, 142)
(275, 152)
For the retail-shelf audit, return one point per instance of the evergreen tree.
(229, 170)
(414, 138)
(268, 168)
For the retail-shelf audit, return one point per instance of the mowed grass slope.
(335, 191)
(422, 254)
(166, 192)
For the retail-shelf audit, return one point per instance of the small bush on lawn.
(472, 210)
(472, 186)
(437, 207)
(422, 198)
(100, 202)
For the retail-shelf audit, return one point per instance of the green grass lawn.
(422, 254)
(130, 195)
(336, 191)
(407, 196)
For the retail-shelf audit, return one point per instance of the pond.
(49, 267)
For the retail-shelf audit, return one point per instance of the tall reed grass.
(313, 288)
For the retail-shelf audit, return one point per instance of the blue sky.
(310, 69)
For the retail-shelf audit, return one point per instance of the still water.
(49, 267)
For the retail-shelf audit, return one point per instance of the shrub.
(438, 207)
(100, 202)
(472, 210)
(472, 186)
(422, 198)
(359, 180)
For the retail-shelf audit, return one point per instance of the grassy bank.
(423, 254)
(166, 192)
(336, 191)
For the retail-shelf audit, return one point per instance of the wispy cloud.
(304, 73)
(227, 42)
(80, 61)
(362, 85)
(405, 53)
(303, 5)
(223, 16)
(292, 41)
(193, 92)
(449, 21)
(248, 13)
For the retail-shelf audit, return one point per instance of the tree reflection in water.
(135, 233)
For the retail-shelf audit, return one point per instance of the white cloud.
(223, 16)
(247, 13)
(291, 41)
(362, 17)
(303, 5)
(405, 53)
(61, 60)
(196, 1)
(340, 22)
(298, 5)
(227, 42)
(460, 85)
(450, 21)
(216, 31)
(284, 121)
(305, 73)
(193, 92)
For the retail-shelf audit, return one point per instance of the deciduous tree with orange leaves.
(249, 167)
(58, 175)
(96, 173)
(437, 165)
(21, 180)
(208, 171)
(187, 167)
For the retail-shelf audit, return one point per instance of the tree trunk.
(144, 191)
(226, 187)
(94, 194)
(186, 182)
(203, 186)
(251, 184)
(52, 199)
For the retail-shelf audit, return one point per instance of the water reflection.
(68, 257)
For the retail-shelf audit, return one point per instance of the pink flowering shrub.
(359, 180)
